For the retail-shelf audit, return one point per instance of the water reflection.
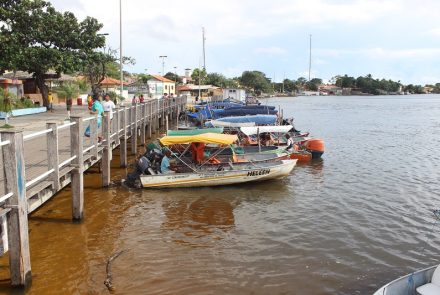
(198, 221)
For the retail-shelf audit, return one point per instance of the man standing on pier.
(108, 105)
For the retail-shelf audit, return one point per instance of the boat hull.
(407, 284)
(217, 178)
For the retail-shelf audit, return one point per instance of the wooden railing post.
(123, 145)
(94, 136)
(150, 119)
(134, 131)
(106, 152)
(143, 123)
(117, 124)
(77, 184)
(18, 231)
(52, 155)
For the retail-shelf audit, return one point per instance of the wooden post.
(77, 183)
(143, 120)
(94, 136)
(18, 231)
(134, 131)
(106, 152)
(116, 123)
(52, 155)
(123, 145)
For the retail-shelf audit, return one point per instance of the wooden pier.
(36, 166)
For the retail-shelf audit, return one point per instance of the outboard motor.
(142, 165)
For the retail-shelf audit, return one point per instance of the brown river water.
(345, 224)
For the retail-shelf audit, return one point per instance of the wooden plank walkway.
(38, 164)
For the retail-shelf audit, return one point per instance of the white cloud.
(381, 53)
(434, 32)
(270, 50)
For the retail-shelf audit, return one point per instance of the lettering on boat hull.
(258, 172)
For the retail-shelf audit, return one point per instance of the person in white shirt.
(108, 105)
(290, 143)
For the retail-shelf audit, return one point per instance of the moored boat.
(230, 175)
(422, 282)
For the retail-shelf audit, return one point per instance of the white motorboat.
(229, 175)
(422, 282)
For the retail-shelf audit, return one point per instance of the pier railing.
(38, 165)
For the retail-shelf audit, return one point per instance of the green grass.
(6, 126)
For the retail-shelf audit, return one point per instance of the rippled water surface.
(344, 225)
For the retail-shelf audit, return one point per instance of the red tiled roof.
(162, 79)
(111, 81)
(183, 88)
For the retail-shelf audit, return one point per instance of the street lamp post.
(163, 63)
(175, 74)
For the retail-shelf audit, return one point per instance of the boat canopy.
(214, 138)
(194, 131)
(270, 129)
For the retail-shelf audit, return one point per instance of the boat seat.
(432, 288)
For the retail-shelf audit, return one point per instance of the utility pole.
(204, 57)
(120, 46)
(310, 56)
(175, 74)
(163, 63)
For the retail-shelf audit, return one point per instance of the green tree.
(173, 77)
(36, 38)
(345, 81)
(68, 90)
(199, 75)
(256, 81)
(6, 100)
(290, 85)
(220, 80)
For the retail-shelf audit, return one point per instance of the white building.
(234, 93)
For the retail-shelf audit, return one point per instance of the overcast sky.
(396, 39)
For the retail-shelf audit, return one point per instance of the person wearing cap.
(165, 167)
(108, 105)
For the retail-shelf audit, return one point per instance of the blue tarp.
(257, 119)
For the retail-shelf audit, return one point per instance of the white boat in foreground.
(423, 282)
(230, 175)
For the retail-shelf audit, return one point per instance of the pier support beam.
(134, 132)
(77, 184)
(52, 155)
(18, 231)
(107, 151)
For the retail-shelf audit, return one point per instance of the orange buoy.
(315, 146)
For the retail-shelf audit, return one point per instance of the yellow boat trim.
(194, 180)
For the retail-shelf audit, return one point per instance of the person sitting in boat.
(165, 167)
(290, 143)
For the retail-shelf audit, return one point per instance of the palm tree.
(68, 90)
(6, 105)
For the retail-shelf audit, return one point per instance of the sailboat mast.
(310, 56)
